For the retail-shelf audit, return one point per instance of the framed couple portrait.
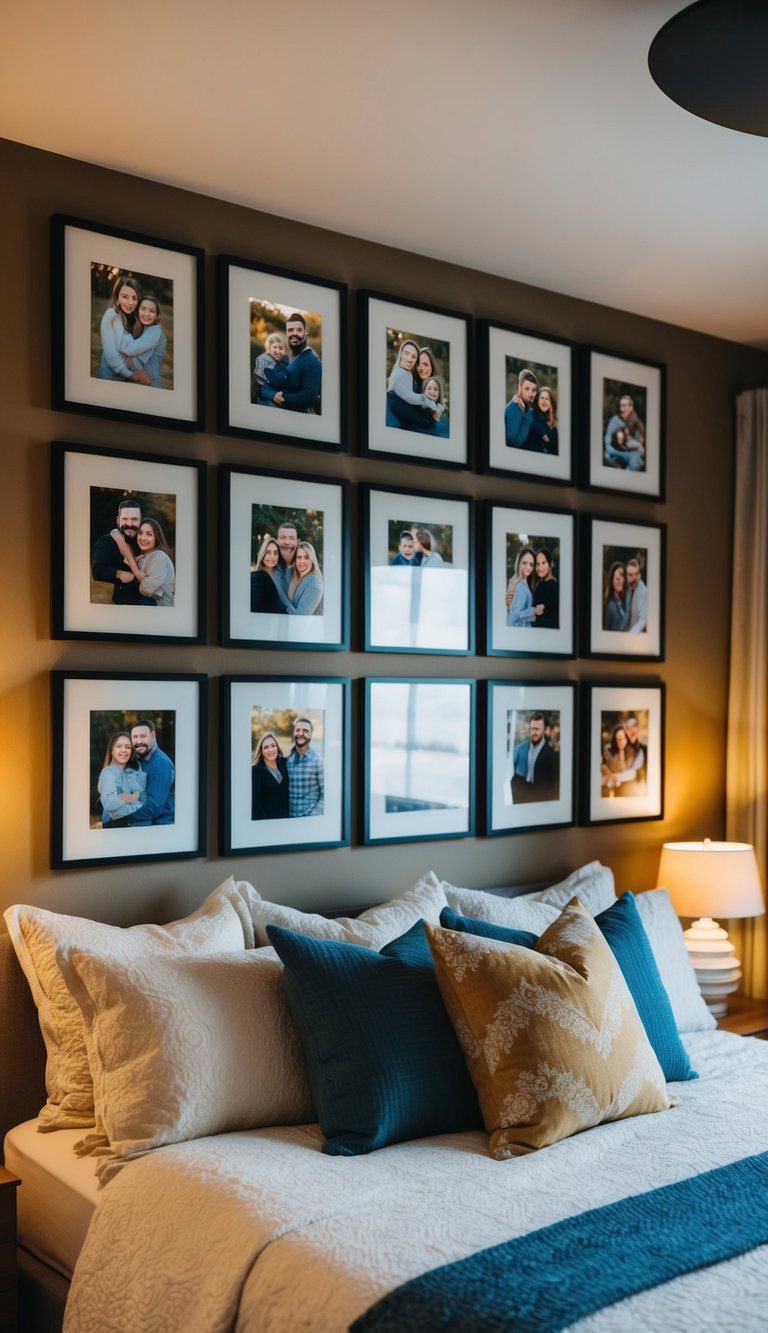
(530, 755)
(530, 581)
(129, 765)
(419, 583)
(622, 753)
(624, 569)
(419, 759)
(127, 325)
(527, 403)
(282, 355)
(128, 546)
(284, 560)
(624, 443)
(414, 381)
(286, 763)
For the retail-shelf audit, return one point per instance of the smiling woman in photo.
(269, 780)
(153, 568)
(305, 590)
(122, 782)
(127, 332)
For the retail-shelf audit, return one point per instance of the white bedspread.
(262, 1233)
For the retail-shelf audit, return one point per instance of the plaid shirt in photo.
(306, 789)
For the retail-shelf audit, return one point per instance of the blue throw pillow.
(621, 925)
(383, 1060)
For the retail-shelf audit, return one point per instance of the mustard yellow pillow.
(551, 1036)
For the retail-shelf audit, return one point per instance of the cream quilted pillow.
(593, 883)
(185, 1045)
(220, 924)
(551, 1036)
(372, 929)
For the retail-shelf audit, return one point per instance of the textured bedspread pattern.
(550, 1278)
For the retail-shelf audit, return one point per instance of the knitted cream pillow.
(551, 1036)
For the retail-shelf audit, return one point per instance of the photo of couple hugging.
(417, 385)
(132, 564)
(625, 594)
(286, 578)
(129, 340)
(292, 785)
(624, 439)
(530, 416)
(286, 370)
(623, 766)
(532, 598)
(134, 788)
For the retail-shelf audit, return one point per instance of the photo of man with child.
(286, 358)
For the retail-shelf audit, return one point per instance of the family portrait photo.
(286, 763)
(418, 589)
(132, 768)
(623, 566)
(530, 756)
(624, 444)
(133, 538)
(286, 561)
(282, 353)
(418, 384)
(526, 402)
(530, 414)
(623, 752)
(530, 581)
(131, 326)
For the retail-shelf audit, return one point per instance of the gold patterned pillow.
(551, 1036)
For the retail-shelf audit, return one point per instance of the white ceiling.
(522, 137)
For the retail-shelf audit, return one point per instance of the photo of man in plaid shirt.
(306, 787)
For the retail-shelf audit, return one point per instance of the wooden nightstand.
(749, 1018)
(8, 1184)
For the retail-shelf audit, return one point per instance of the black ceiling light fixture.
(712, 59)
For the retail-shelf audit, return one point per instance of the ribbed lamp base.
(717, 969)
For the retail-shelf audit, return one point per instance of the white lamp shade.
(712, 879)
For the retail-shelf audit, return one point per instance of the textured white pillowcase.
(666, 936)
(220, 924)
(592, 884)
(372, 929)
(185, 1045)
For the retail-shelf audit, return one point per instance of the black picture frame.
(513, 534)
(607, 795)
(433, 768)
(620, 553)
(542, 454)
(252, 300)
(250, 494)
(253, 705)
(429, 607)
(88, 709)
(87, 260)
(385, 323)
(512, 803)
(88, 483)
(607, 378)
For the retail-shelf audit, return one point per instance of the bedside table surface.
(748, 1018)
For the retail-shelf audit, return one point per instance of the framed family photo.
(282, 355)
(419, 759)
(284, 560)
(419, 583)
(127, 325)
(129, 764)
(414, 381)
(625, 438)
(286, 763)
(531, 740)
(623, 753)
(625, 572)
(128, 546)
(530, 582)
(527, 403)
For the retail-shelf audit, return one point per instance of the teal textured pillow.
(621, 925)
(383, 1060)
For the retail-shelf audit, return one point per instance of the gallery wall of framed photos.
(434, 505)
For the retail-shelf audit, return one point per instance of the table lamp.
(707, 880)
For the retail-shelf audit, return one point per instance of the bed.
(278, 1234)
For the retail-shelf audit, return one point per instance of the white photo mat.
(526, 347)
(531, 639)
(629, 700)
(505, 700)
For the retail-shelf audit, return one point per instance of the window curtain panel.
(747, 754)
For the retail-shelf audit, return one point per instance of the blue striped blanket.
(559, 1274)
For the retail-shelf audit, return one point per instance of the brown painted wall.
(704, 375)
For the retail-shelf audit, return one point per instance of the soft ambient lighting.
(707, 880)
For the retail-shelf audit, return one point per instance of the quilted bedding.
(262, 1231)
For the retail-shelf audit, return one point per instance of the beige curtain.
(747, 762)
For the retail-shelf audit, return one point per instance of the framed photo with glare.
(622, 752)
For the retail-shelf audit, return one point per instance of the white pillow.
(221, 924)
(185, 1045)
(593, 885)
(372, 929)
(666, 936)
